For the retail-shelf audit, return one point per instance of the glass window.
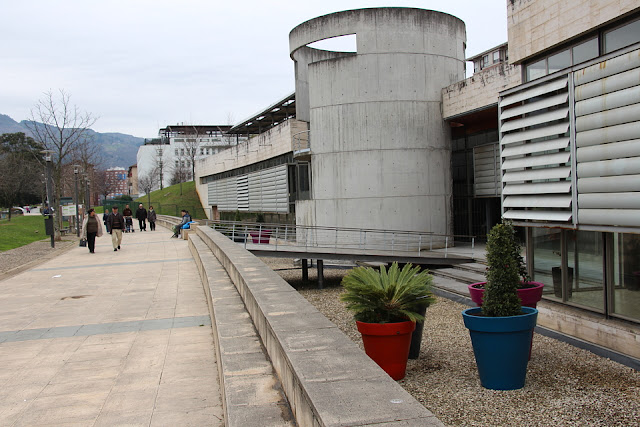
(559, 61)
(304, 184)
(622, 36)
(546, 260)
(536, 70)
(585, 51)
(476, 66)
(585, 250)
(626, 275)
(485, 61)
(176, 151)
(496, 56)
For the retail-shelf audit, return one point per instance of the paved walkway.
(111, 338)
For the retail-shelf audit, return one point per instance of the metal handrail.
(283, 237)
(301, 145)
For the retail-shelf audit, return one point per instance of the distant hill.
(117, 149)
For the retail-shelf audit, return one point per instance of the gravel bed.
(566, 386)
(36, 251)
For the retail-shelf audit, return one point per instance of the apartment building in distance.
(116, 178)
(169, 157)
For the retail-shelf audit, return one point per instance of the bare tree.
(60, 127)
(147, 183)
(192, 140)
(20, 168)
(103, 184)
(180, 173)
(227, 137)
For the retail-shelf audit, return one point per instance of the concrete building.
(380, 148)
(545, 133)
(550, 141)
(132, 181)
(169, 157)
(259, 174)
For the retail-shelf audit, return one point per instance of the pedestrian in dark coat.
(141, 214)
(151, 216)
(116, 224)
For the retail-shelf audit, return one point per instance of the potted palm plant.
(501, 330)
(386, 306)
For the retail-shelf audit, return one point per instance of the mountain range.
(117, 149)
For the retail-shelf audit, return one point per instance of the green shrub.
(504, 272)
(387, 297)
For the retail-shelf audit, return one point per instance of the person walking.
(141, 214)
(151, 217)
(128, 219)
(186, 218)
(91, 227)
(105, 219)
(116, 227)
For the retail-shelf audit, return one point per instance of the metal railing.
(302, 143)
(340, 239)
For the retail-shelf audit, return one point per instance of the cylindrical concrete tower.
(380, 150)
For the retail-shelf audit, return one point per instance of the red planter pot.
(388, 345)
(528, 296)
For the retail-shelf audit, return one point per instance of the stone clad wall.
(536, 25)
(480, 90)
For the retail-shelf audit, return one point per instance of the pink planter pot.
(528, 296)
(261, 236)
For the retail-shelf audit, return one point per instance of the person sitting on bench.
(186, 218)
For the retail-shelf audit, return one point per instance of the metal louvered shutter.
(535, 159)
(607, 109)
(486, 170)
(265, 190)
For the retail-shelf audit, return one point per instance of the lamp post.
(49, 183)
(159, 152)
(87, 197)
(76, 169)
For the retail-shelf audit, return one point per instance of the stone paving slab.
(111, 338)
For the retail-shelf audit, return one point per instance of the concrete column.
(380, 150)
(320, 273)
(305, 270)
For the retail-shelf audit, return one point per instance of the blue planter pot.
(501, 346)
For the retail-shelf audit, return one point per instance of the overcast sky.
(139, 65)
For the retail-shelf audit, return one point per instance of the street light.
(159, 152)
(88, 194)
(49, 182)
(76, 169)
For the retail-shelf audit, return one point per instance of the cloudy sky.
(139, 65)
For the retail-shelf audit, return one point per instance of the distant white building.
(169, 158)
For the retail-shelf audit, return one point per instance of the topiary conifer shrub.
(505, 269)
(387, 296)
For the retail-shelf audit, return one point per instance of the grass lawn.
(168, 201)
(20, 231)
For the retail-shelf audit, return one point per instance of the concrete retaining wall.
(327, 379)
